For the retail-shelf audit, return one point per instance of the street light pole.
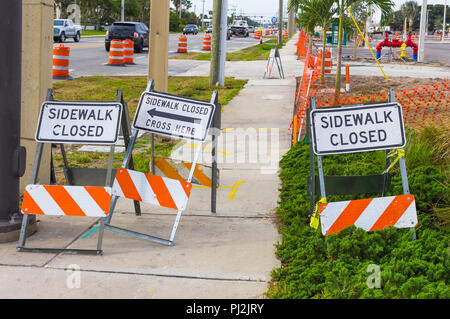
(422, 32)
(122, 12)
(203, 14)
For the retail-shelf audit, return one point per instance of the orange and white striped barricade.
(274, 57)
(87, 192)
(116, 53)
(169, 115)
(179, 170)
(331, 132)
(369, 214)
(128, 51)
(60, 67)
(207, 43)
(182, 44)
(285, 34)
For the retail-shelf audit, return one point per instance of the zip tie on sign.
(316, 214)
(400, 153)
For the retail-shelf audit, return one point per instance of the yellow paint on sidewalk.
(209, 149)
(235, 187)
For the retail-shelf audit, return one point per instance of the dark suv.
(190, 28)
(136, 31)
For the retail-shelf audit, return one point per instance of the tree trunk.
(337, 84)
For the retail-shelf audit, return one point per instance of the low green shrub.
(339, 266)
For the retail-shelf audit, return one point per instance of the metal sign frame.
(274, 57)
(90, 175)
(105, 222)
(322, 177)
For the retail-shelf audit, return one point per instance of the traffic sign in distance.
(175, 116)
(353, 129)
(79, 122)
(274, 20)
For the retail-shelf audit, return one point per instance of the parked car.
(64, 28)
(209, 29)
(190, 28)
(240, 27)
(251, 29)
(136, 31)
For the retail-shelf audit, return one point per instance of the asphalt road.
(89, 57)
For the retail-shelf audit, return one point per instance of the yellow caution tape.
(400, 153)
(362, 35)
(315, 218)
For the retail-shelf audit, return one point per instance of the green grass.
(256, 52)
(336, 266)
(103, 88)
(92, 32)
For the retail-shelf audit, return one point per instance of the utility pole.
(10, 92)
(159, 44)
(422, 32)
(280, 21)
(215, 43)
(223, 34)
(443, 22)
(122, 12)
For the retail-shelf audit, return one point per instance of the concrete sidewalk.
(229, 254)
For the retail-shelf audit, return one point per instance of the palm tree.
(315, 13)
(385, 6)
(410, 10)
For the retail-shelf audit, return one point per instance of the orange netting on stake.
(423, 103)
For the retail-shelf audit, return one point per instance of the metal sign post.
(170, 115)
(82, 123)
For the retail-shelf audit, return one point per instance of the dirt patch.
(363, 85)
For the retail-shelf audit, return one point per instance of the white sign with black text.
(79, 122)
(361, 128)
(175, 116)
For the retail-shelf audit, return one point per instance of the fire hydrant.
(402, 51)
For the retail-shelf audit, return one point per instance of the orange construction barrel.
(207, 43)
(182, 44)
(116, 53)
(61, 62)
(128, 51)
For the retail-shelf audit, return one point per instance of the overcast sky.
(269, 7)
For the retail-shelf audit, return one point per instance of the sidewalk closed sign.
(357, 128)
(79, 122)
(175, 116)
